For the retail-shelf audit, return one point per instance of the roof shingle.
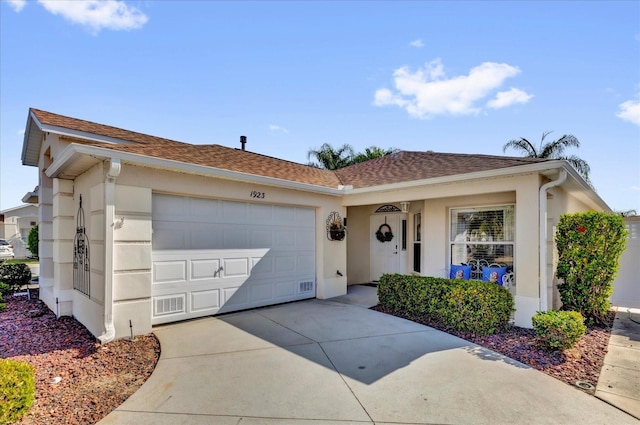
(399, 167)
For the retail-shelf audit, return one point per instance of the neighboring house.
(137, 230)
(16, 224)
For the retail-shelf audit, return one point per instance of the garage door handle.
(217, 272)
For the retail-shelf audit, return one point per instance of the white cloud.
(97, 14)
(417, 43)
(20, 132)
(17, 5)
(428, 92)
(275, 128)
(630, 111)
(508, 98)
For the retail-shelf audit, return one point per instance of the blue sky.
(445, 76)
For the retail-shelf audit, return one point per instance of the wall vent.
(306, 286)
(168, 305)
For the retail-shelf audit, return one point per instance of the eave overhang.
(75, 159)
(575, 184)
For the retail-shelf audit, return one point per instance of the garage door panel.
(305, 264)
(236, 237)
(222, 256)
(262, 238)
(204, 236)
(203, 210)
(285, 290)
(234, 267)
(261, 213)
(286, 239)
(170, 271)
(285, 264)
(262, 266)
(168, 235)
(234, 210)
(205, 269)
(205, 301)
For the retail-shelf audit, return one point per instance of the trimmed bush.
(558, 330)
(478, 307)
(15, 275)
(4, 289)
(17, 390)
(465, 305)
(589, 248)
(32, 241)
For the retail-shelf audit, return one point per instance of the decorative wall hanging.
(336, 231)
(388, 209)
(384, 233)
(81, 268)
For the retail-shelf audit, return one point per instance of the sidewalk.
(619, 382)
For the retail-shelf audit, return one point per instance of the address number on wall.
(256, 194)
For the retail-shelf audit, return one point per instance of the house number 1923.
(256, 194)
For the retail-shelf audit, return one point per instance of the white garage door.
(215, 256)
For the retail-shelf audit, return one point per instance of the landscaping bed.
(78, 380)
(581, 364)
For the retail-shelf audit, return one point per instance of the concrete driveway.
(333, 362)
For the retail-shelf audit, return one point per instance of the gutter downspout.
(109, 212)
(544, 303)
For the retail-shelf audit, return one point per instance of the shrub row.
(465, 305)
(17, 390)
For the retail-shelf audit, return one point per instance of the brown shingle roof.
(49, 118)
(395, 168)
(235, 160)
(409, 166)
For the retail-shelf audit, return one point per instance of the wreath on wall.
(384, 233)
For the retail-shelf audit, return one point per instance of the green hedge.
(589, 248)
(17, 390)
(15, 275)
(464, 305)
(558, 330)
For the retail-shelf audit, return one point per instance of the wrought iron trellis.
(81, 268)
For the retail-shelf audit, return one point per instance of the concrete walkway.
(619, 382)
(337, 362)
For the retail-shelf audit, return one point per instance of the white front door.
(385, 256)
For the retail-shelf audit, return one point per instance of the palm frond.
(521, 144)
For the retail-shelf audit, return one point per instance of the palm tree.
(331, 158)
(552, 150)
(372, 153)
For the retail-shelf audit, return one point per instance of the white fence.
(626, 287)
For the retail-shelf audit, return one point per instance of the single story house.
(15, 225)
(137, 230)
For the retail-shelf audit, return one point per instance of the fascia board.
(61, 131)
(74, 151)
(478, 175)
(33, 125)
(541, 167)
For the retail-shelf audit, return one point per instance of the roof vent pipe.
(243, 141)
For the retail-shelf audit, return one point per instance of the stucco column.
(45, 234)
(63, 231)
(527, 297)
(331, 257)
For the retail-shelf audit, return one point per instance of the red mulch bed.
(579, 364)
(94, 378)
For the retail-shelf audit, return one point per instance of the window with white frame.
(482, 234)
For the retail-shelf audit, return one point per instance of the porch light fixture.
(404, 206)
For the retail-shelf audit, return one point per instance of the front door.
(385, 255)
